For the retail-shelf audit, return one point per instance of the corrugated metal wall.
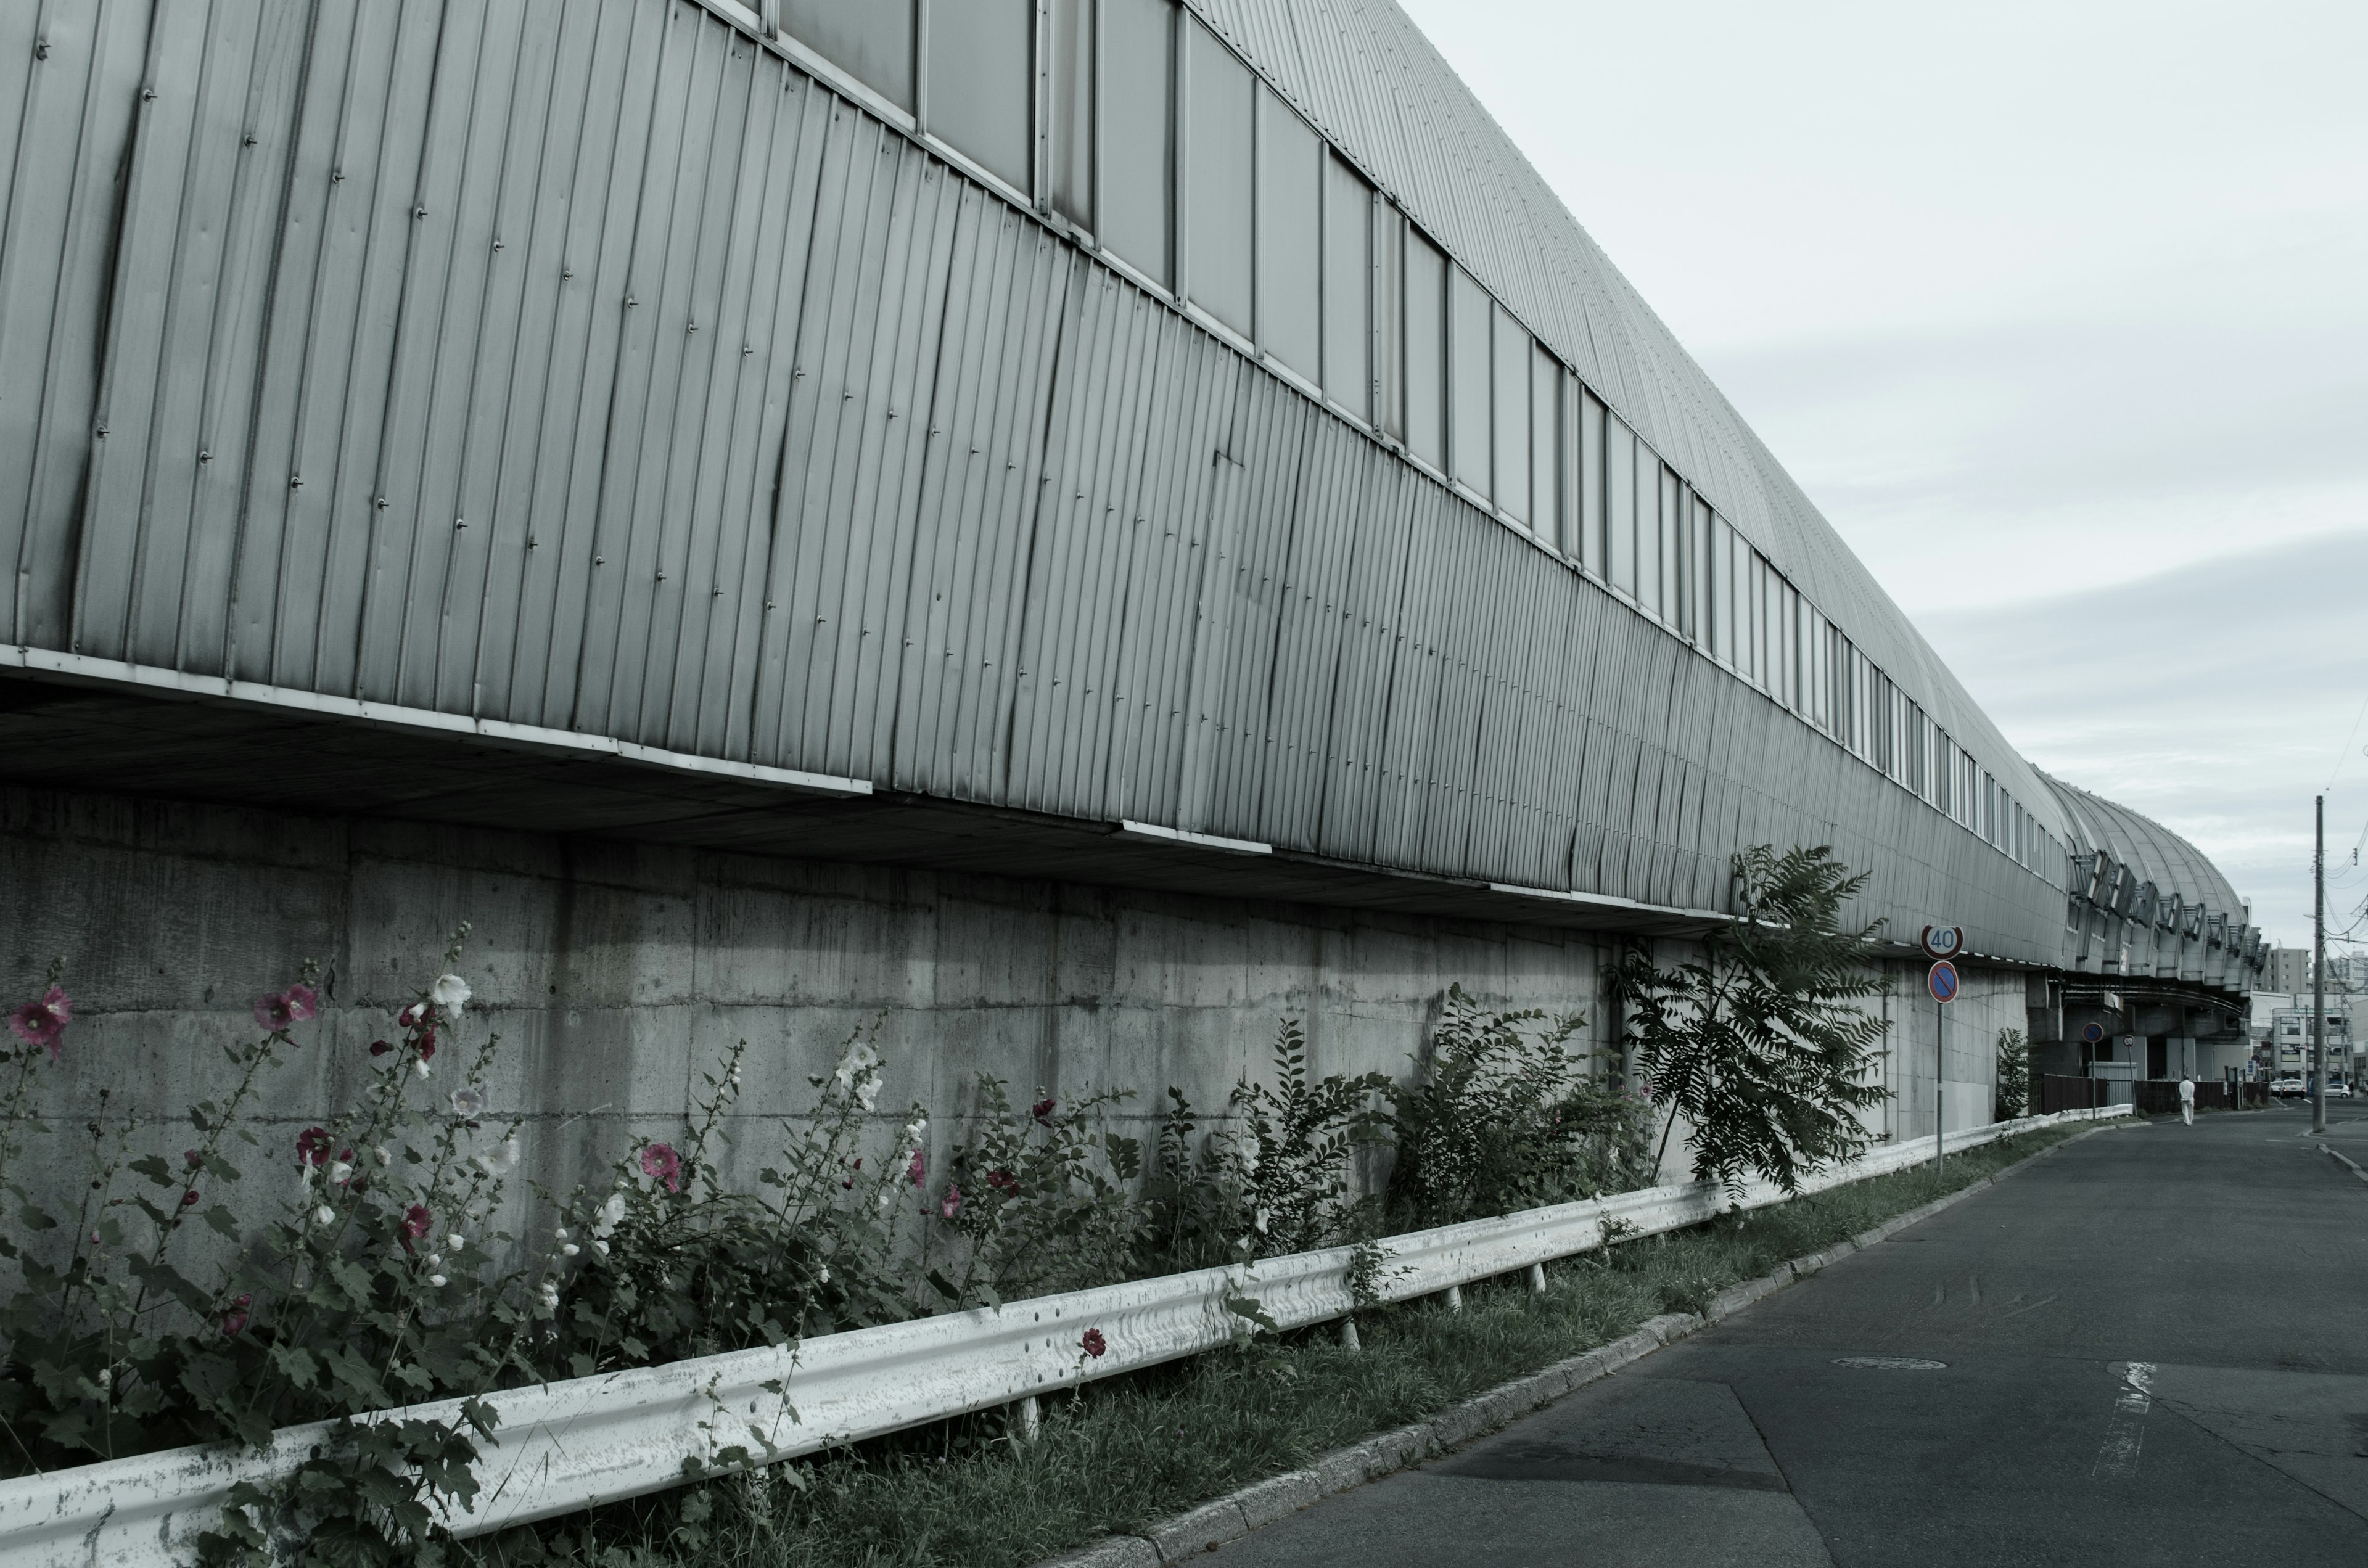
(588, 367)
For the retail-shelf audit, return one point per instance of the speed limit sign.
(1944, 941)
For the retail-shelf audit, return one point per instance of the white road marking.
(2127, 1433)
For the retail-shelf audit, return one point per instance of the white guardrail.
(564, 1447)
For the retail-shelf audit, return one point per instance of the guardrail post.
(1349, 1335)
(1455, 1298)
(1031, 1420)
(1537, 1276)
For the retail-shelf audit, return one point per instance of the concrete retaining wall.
(617, 973)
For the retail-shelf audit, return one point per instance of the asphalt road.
(2150, 1347)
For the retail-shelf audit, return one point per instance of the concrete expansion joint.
(1229, 1519)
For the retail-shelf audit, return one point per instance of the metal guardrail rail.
(566, 1446)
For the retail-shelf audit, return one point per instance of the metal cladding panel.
(595, 368)
(1366, 76)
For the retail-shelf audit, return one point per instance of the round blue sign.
(1943, 981)
(2092, 1033)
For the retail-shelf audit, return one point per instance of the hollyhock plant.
(451, 995)
(313, 1147)
(950, 1205)
(1093, 1344)
(40, 1023)
(1042, 1111)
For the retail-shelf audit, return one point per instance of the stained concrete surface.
(2149, 1353)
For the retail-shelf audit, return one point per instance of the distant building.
(2289, 969)
(2289, 1040)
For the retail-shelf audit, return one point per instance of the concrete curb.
(1228, 1519)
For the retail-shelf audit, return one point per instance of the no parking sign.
(1942, 981)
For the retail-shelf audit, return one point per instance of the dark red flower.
(380, 1048)
(1094, 1343)
(409, 1015)
(234, 1323)
(189, 1198)
(1042, 1111)
(193, 1158)
(427, 1044)
(313, 1146)
(42, 1022)
(292, 1005)
(1003, 1181)
(416, 1220)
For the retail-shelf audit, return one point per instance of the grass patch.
(1123, 1454)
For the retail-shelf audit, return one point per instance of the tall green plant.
(1503, 1117)
(2013, 1074)
(1275, 1177)
(1760, 1043)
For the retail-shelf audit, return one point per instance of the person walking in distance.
(2187, 1101)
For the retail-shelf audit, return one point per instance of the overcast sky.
(2060, 313)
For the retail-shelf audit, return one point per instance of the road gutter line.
(2354, 1169)
(1229, 1519)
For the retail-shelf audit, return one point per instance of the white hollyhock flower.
(450, 995)
(570, 1249)
(323, 1215)
(456, 1241)
(382, 1156)
(600, 1247)
(551, 1295)
(420, 1068)
(340, 1172)
(436, 1280)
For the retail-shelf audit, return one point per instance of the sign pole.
(1941, 944)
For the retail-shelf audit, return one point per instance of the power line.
(2345, 754)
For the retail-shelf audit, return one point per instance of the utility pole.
(2318, 976)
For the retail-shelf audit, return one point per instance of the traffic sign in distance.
(1942, 981)
(1944, 941)
(2092, 1033)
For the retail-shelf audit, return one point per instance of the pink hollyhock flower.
(918, 1169)
(950, 1205)
(1094, 1343)
(1042, 1111)
(416, 1220)
(234, 1323)
(661, 1164)
(282, 1008)
(313, 1146)
(1003, 1181)
(42, 1022)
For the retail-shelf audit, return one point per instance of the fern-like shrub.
(1503, 1115)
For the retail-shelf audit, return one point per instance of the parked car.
(2337, 1089)
(2284, 1087)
